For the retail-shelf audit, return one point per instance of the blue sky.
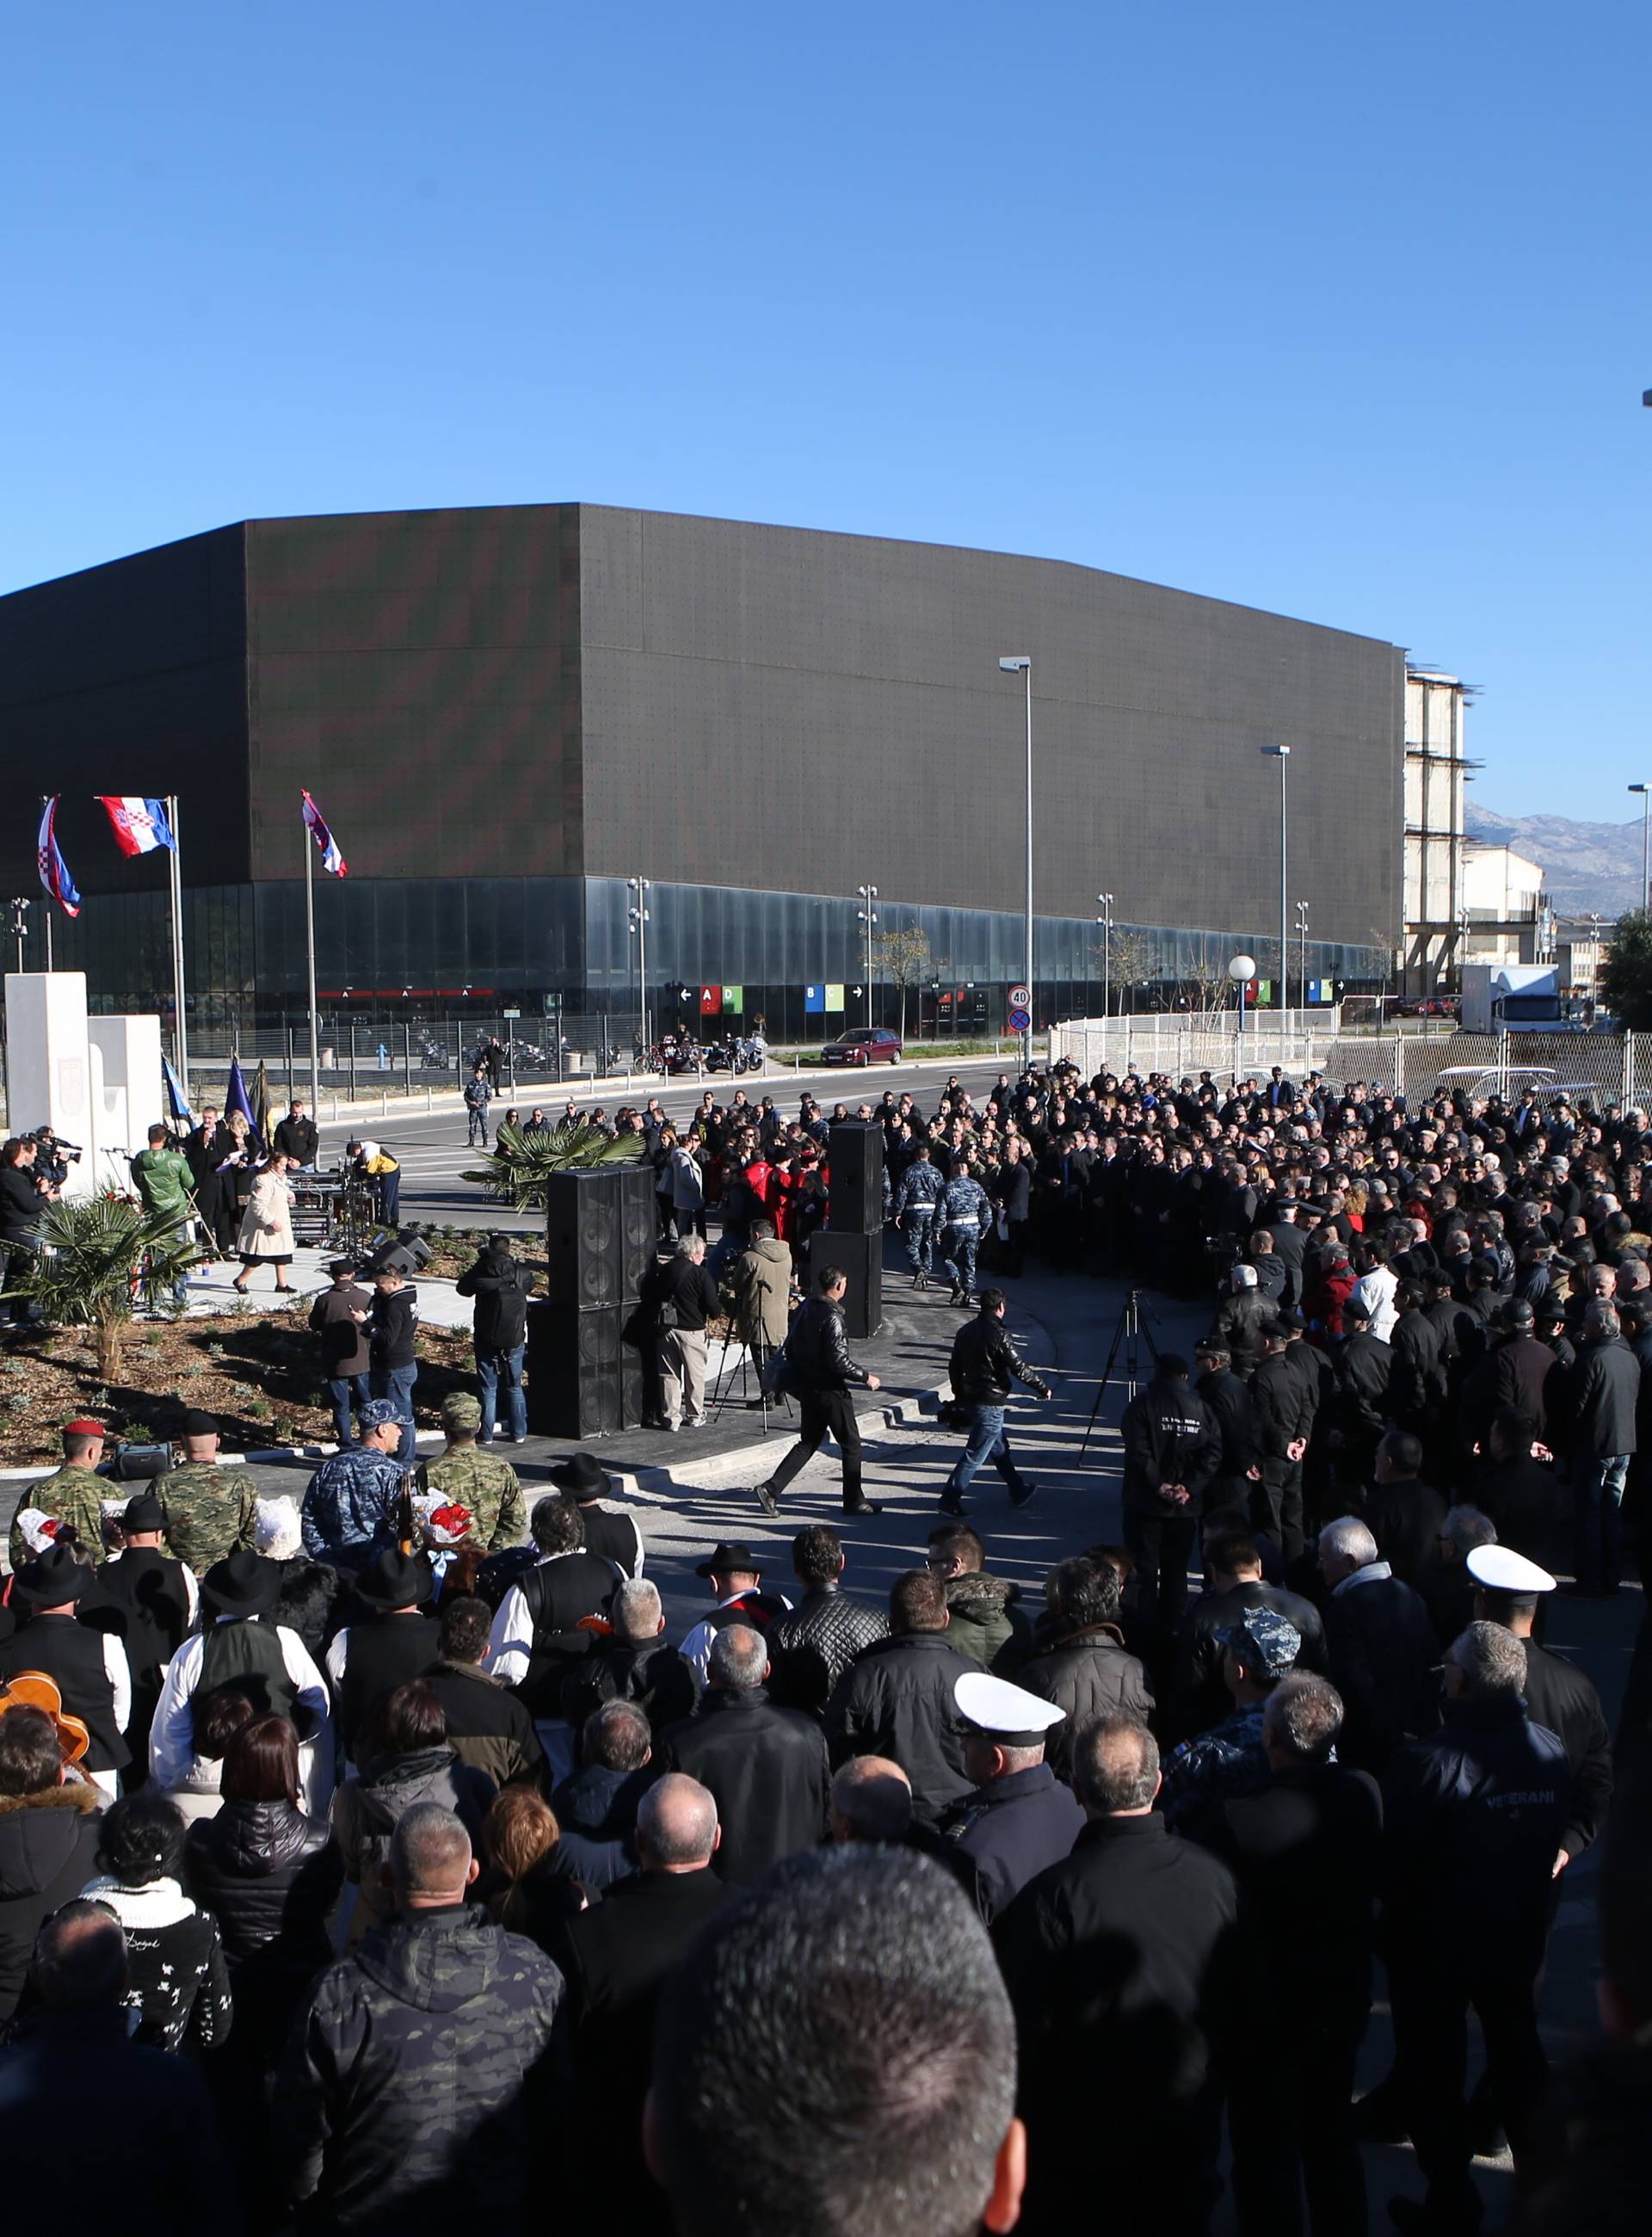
(1337, 310)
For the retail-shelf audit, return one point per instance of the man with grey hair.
(766, 1766)
(1444, 1581)
(1379, 1642)
(637, 1663)
(1139, 1996)
(417, 2068)
(1605, 1385)
(1474, 1813)
(681, 1298)
(617, 1957)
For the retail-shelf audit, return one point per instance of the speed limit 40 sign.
(1021, 997)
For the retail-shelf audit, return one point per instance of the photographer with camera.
(20, 1207)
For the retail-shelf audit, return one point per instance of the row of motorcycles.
(732, 1054)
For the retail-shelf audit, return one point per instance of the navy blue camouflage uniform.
(966, 1208)
(915, 1208)
(349, 1511)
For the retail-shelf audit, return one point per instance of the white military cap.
(1500, 1569)
(1004, 1712)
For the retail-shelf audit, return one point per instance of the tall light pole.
(868, 916)
(19, 907)
(1282, 754)
(1645, 791)
(1106, 923)
(1302, 954)
(637, 914)
(1020, 664)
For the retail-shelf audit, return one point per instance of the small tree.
(905, 958)
(521, 1166)
(99, 1258)
(1624, 983)
(1120, 961)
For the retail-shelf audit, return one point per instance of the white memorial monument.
(96, 1082)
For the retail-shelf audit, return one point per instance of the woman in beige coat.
(266, 1238)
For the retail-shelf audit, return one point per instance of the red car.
(866, 1045)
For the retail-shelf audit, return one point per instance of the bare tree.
(902, 958)
(1124, 961)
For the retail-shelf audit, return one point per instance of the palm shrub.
(521, 1166)
(97, 1260)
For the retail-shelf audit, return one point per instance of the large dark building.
(505, 712)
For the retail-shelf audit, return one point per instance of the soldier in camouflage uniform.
(74, 1495)
(209, 1510)
(966, 1208)
(467, 1476)
(350, 1509)
(1231, 1759)
(915, 1209)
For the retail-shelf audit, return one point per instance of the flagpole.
(308, 842)
(181, 1036)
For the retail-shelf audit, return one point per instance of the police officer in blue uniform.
(965, 1210)
(1020, 1818)
(916, 1207)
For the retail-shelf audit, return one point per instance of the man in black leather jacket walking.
(820, 1370)
(984, 1368)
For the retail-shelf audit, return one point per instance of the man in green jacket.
(164, 1182)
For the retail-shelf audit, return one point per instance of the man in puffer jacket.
(986, 1624)
(1087, 1670)
(419, 2069)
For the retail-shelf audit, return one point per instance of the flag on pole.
(141, 826)
(177, 1106)
(261, 1105)
(53, 871)
(235, 1093)
(332, 862)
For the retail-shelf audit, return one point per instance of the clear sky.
(1340, 311)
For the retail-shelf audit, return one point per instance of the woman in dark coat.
(176, 1978)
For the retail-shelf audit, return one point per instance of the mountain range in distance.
(1586, 866)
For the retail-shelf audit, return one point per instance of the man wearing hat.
(1360, 1412)
(345, 1357)
(209, 1510)
(238, 1649)
(351, 1503)
(1508, 1588)
(72, 1496)
(1286, 1407)
(148, 1601)
(389, 1637)
(1020, 1818)
(618, 1538)
(464, 1475)
(89, 1668)
(1231, 1757)
(735, 1575)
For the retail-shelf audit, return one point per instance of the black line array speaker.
(857, 1159)
(583, 1379)
(860, 1258)
(600, 1227)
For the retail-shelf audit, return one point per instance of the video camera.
(407, 1253)
(71, 1151)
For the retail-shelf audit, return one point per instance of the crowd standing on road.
(392, 1866)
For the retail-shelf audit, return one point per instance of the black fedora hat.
(729, 1556)
(583, 1474)
(53, 1579)
(143, 1512)
(396, 1580)
(242, 1584)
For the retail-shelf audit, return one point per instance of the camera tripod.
(751, 1360)
(1133, 1330)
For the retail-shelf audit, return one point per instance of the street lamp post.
(637, 914)
(868, 916)
(1106, 923)
(1241, 970)
(1282, 754)
(19, 907)
(1302, 954)
(1020, 664)
(1645, 791)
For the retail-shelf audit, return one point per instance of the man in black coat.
(1141, 2006)
(1522, 1494)
(1406, 1515)
(1172, 1447)
(1286, 1406)
(637, 1663)
(1362, 1367)
(87, 1667)
(820, 1370)
(1306, 1853)
(539, 1633)
(388, 1638)
(1086, 1669)
(48, 1832)
(1601, 1440)
(1228, 1399)
(1515, 1373)
(896, 1698)
(1559, 1695)
(616, 1958)
(498, 1333)
(1233, 1574)
(766, 1766)
(1380, 1644)
(154, 2118)
(148, 1601)
(814, 1643)
(1019, 1819)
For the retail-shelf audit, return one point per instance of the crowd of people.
(404, 1867)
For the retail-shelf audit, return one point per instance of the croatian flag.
(332, 862)
(141, 826)
(53, 871)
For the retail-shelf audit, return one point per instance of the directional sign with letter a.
(710, 1001)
